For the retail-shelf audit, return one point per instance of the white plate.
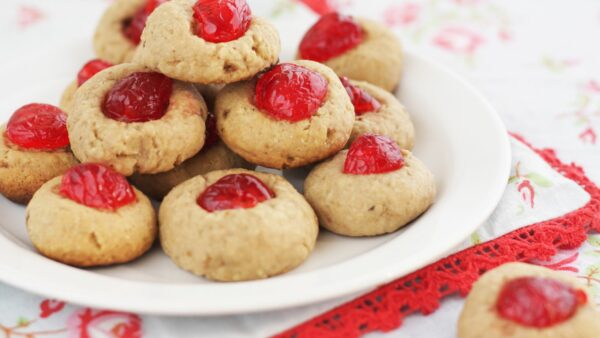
(459, 136)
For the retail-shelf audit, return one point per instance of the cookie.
(68, 96)
(110, 41)
(379, 112)
(358, 48)
(303, 116)
(258, 225)
(148, 129)
(518, 300)
(73, 228)
(215, 157)
(371, 189)
(173, 43)
(209, 93)
(33, 149)
(85, 73)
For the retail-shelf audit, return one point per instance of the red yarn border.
(421, 291)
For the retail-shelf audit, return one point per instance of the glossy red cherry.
(222, 20)
(290, 92)
(139, 97)
(538, 302)
(134, 27)
(332, 35)
(235, 191)
(211, 136)
(363, 102)
(90, 69)
(97, 186)
(373, 154)
(38, 126)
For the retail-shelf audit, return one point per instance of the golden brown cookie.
(354, 197)
(539, 303)
(22, 171)
(110, 41)
(265, 139)
(68, 96)
(362, 49)
(144, 147)
(170, 46)
(216, 157)
(74, 233)
(270, 238)
(389, 117)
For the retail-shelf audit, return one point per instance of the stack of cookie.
(186, 99)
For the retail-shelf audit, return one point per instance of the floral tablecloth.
(536, 61)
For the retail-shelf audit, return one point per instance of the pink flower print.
(87, 323)
(458, 40)
(401, 15)
(588, 136)
(527, 192)
(50, 306)
(593, 86)
(322, 6)
(28, 16)
(505, 35)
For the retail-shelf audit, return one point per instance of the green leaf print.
(594, 240)
(539, 180)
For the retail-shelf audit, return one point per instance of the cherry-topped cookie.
(371, 189)
(295, 114)
(379, 112)
(354, 47)
(233, 225)
(522, 300)
(120, 29)
(136, 120)
(34, 147)
(214, 155)
(85, 73)
(208, 41)
(91, 216)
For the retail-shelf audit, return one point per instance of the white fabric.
(538, 64)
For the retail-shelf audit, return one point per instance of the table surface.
(537, 63)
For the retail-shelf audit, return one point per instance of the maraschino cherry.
(139, 97)
(38, 127)
(538, 302)
(134, 27)
(90, 69)
(222, 20)
(363, 102)
(373, 154)
(331, 36)
(235, 191)
(290, 92)
(97, 186)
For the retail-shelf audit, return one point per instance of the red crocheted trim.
(386, 307)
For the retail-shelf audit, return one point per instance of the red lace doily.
(386, 307)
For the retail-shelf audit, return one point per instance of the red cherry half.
(97, 186)
(222, 20)
(290, 92)
(235, 191)
(333, 35)
(373, 154)
(139, 97)
(38, 126)
(538, 302)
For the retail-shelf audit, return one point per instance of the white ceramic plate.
(459, 136)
